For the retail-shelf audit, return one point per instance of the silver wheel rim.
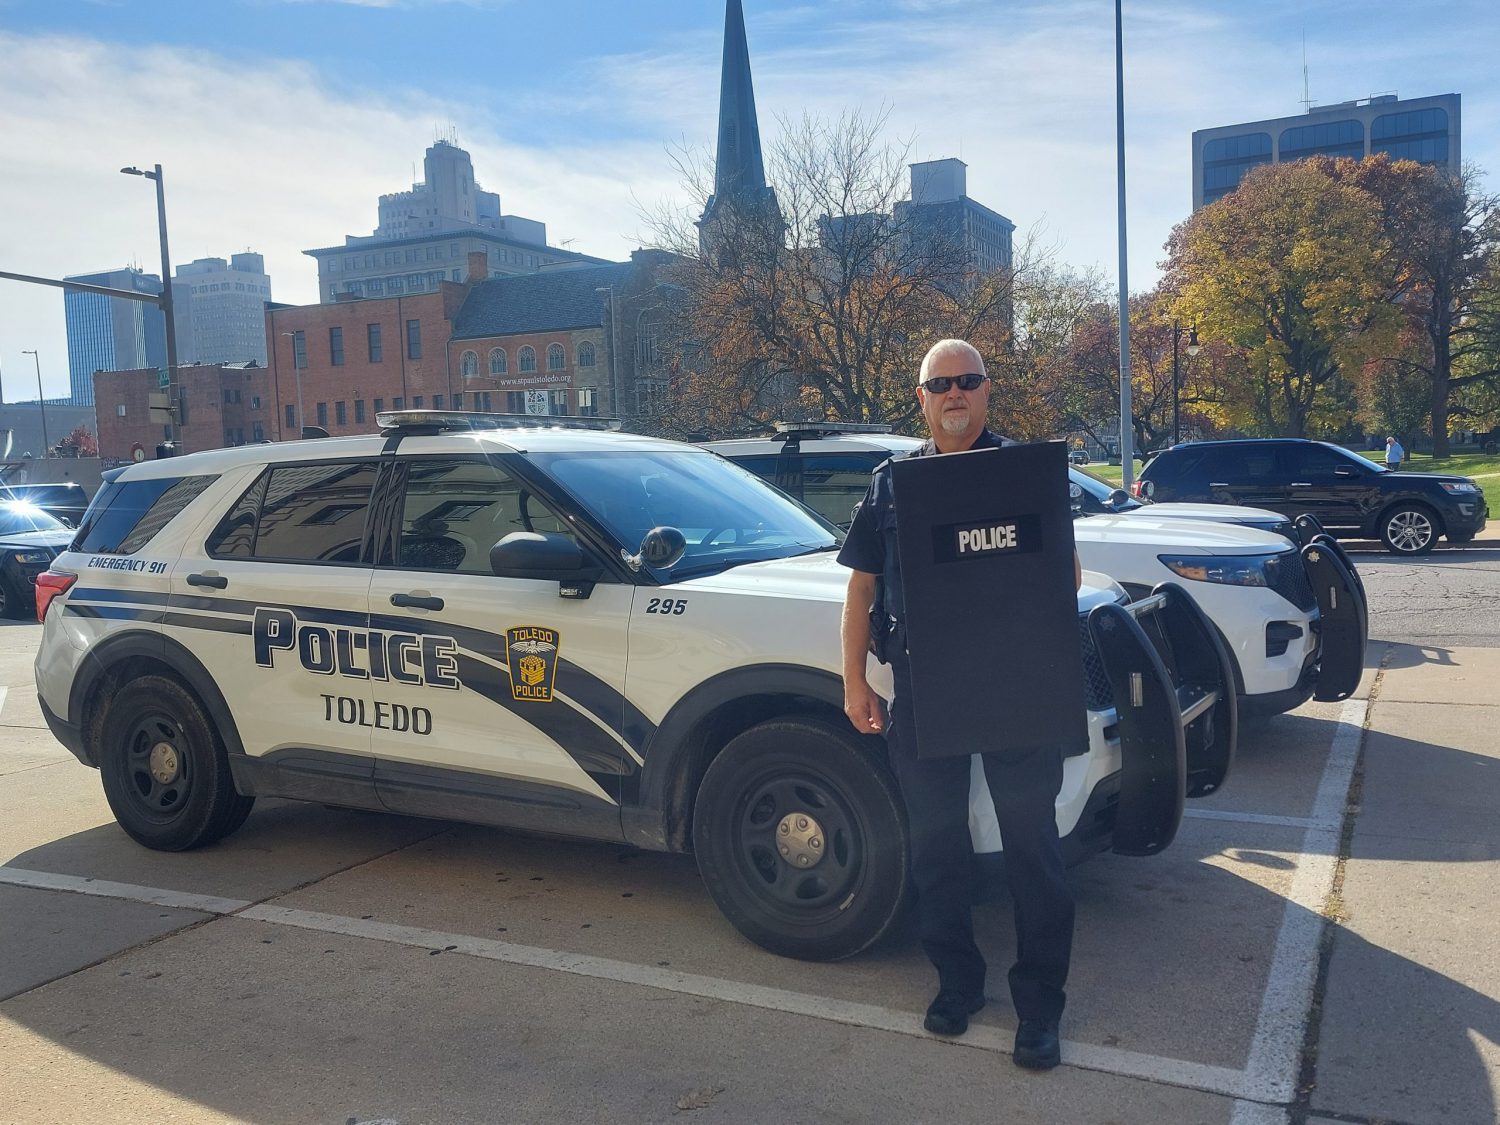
(1409, 531)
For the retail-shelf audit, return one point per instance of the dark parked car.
(29, 540)
(1350, 496)
(66, 500)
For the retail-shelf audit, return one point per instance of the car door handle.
(1301, 484)
(213, 581)
(416, 601)
(1218, 484)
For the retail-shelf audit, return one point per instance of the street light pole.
(297, 368)
(1192, 351)
(41, 401)
(166, 289)
(1127, 432)
(614, 349)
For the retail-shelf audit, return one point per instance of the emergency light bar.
(437, 421)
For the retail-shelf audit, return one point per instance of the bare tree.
(820, 307)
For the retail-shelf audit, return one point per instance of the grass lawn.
(1483, 467)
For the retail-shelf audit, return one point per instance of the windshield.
(728, 515)
(18, 516)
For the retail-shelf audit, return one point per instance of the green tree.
(1443, 239)
(1285, 270)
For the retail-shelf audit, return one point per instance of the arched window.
(586, 354)
(527, 359)
(497, 361)
(556, 358)
(469, 364)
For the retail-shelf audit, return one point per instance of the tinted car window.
(315, 513)
(833, 483)
(454, 511)
(1316, 462)
(234, 538)
(763, 467)
(127, 514)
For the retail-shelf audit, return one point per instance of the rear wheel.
(1409, 529)
(801, 839)
(164, 769)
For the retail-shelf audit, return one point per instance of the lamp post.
(41, 402)
(614, 349)
(166, 286)
(1127, 434)
(1192, 350)
(297, 368)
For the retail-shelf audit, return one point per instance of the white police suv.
(1294, 626)
(559, 629)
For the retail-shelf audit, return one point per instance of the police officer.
(954, 393)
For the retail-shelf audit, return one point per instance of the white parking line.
(1276, 1050)
(1260, 1090)
(4, 691)
(1225, 1081)
(1251, 818)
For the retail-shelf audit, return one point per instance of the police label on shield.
(953, 390)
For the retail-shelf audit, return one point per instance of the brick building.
(540, 343)
(221, 404)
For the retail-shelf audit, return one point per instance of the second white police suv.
(557, 629)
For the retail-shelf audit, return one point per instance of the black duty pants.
(1024, 788)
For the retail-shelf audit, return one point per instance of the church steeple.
(739, 170)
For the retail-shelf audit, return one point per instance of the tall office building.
(426, 235)
(940, 207)
(1421, 129)
(219, 309)
(111, 333)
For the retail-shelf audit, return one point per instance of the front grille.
(1096, 690)
(1287, 575)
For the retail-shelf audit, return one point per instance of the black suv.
(66, 499)
(1350, 496)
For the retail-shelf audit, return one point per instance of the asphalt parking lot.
(329, 966)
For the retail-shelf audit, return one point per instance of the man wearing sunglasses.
(954, 392)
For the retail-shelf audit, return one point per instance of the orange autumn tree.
(1288, 271)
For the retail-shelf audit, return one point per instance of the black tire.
(12, 605)
(165, 773)
(1410, 529)
(752, 802)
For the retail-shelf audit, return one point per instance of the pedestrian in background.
(1394, 454)
(954, 394)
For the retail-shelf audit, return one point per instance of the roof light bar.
(399, 421)
(827, 429)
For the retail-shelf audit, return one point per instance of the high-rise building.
(426, 235)
(219, 309)
(940, 207)
(112, 333)
(1421, 129)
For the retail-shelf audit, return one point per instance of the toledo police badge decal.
(531, 652)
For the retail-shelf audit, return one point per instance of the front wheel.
(801, 839)
(1409, 529)
(164, 770)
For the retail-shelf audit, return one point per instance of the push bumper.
(1175, 709)
(1343, 619)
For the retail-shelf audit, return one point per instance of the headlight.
(33, 556)
(1228, 570)
(1459, 486)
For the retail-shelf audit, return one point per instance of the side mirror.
(543, 555)
(1116, 498)
(661, 548)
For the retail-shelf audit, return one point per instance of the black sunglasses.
(939, 384)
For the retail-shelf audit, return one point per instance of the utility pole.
(166, 292)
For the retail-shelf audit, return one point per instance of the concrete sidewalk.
(1410, 1022)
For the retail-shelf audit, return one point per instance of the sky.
(278, 123)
